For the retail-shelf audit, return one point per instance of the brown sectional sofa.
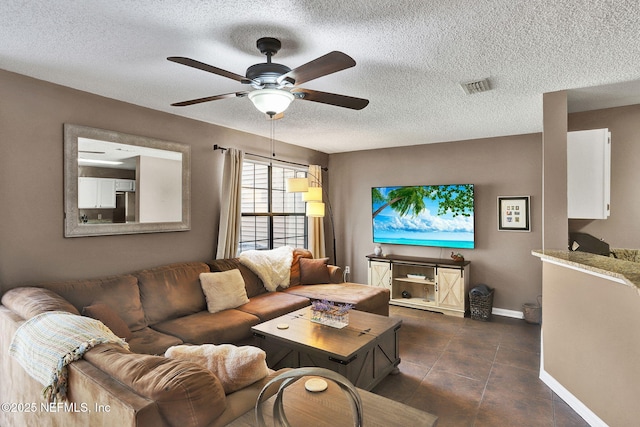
(161, 307)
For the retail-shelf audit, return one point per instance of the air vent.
(476, 86)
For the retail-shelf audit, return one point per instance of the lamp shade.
(313, 194)
(315, 209)
(271, 101)
(297, 185)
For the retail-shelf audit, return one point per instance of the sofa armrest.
(94, 397)
(29, 301)
(109, 400)
(335, 274)
(186, 394)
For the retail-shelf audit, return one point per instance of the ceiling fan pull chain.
(272, 137)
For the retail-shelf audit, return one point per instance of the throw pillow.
(298, 253)
(223, 290)
(235, 367)
(109, 317)
(314, 271)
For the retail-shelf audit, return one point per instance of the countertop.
(627, 271)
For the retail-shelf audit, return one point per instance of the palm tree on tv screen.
(457, 199)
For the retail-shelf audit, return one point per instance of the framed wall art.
(514, 213)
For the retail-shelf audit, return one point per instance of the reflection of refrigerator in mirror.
(131, 207)
(125, 207)
(120, 212)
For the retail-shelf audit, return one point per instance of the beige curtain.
(316, 225)
(229, 228)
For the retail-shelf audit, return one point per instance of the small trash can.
(481, 303)
(533, 312)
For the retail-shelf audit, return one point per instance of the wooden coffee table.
(364, 352)
(332, 408)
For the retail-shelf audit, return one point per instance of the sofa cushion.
(228, 326)
(121, 293)
(235, 367)
(223, 290)
(186, 394)
(252, 282)
(273, 304)
(365, 298)
(29, 301)
(150, 341)
(171, 291)
(109, 317)
(314, 271)
(298, 254)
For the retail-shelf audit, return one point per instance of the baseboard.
(507, 313)
(575, 404)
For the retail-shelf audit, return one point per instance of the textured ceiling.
(411, 57)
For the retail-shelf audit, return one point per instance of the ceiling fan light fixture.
(271, 101)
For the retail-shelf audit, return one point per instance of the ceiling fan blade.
(319, 67)
(209, 68)
(210, 98)
(330, 98)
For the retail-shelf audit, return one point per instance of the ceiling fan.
(275, 85)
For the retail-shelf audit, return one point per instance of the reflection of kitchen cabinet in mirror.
(94, 193)
(117, 183)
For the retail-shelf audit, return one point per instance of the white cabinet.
(588, 174)
(125, 185)
(96, 193)
(426, 283)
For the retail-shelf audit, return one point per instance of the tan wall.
(32, 246)
(508, 166)
(620, 229)
(591, 341)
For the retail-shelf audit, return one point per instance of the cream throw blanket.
(235, 367)
(273, 267)
(45, 344)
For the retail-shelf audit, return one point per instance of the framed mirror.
(115, 183)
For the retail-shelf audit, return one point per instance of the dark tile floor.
(474, 373)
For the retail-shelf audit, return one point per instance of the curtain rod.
(222, 149)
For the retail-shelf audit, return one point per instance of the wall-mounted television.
(425, 215)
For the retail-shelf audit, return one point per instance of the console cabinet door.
(380, 274)
(451, 290)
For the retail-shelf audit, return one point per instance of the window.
(271, 217)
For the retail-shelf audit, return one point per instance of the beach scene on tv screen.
(428, 215)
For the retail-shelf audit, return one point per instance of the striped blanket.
(45, 344)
